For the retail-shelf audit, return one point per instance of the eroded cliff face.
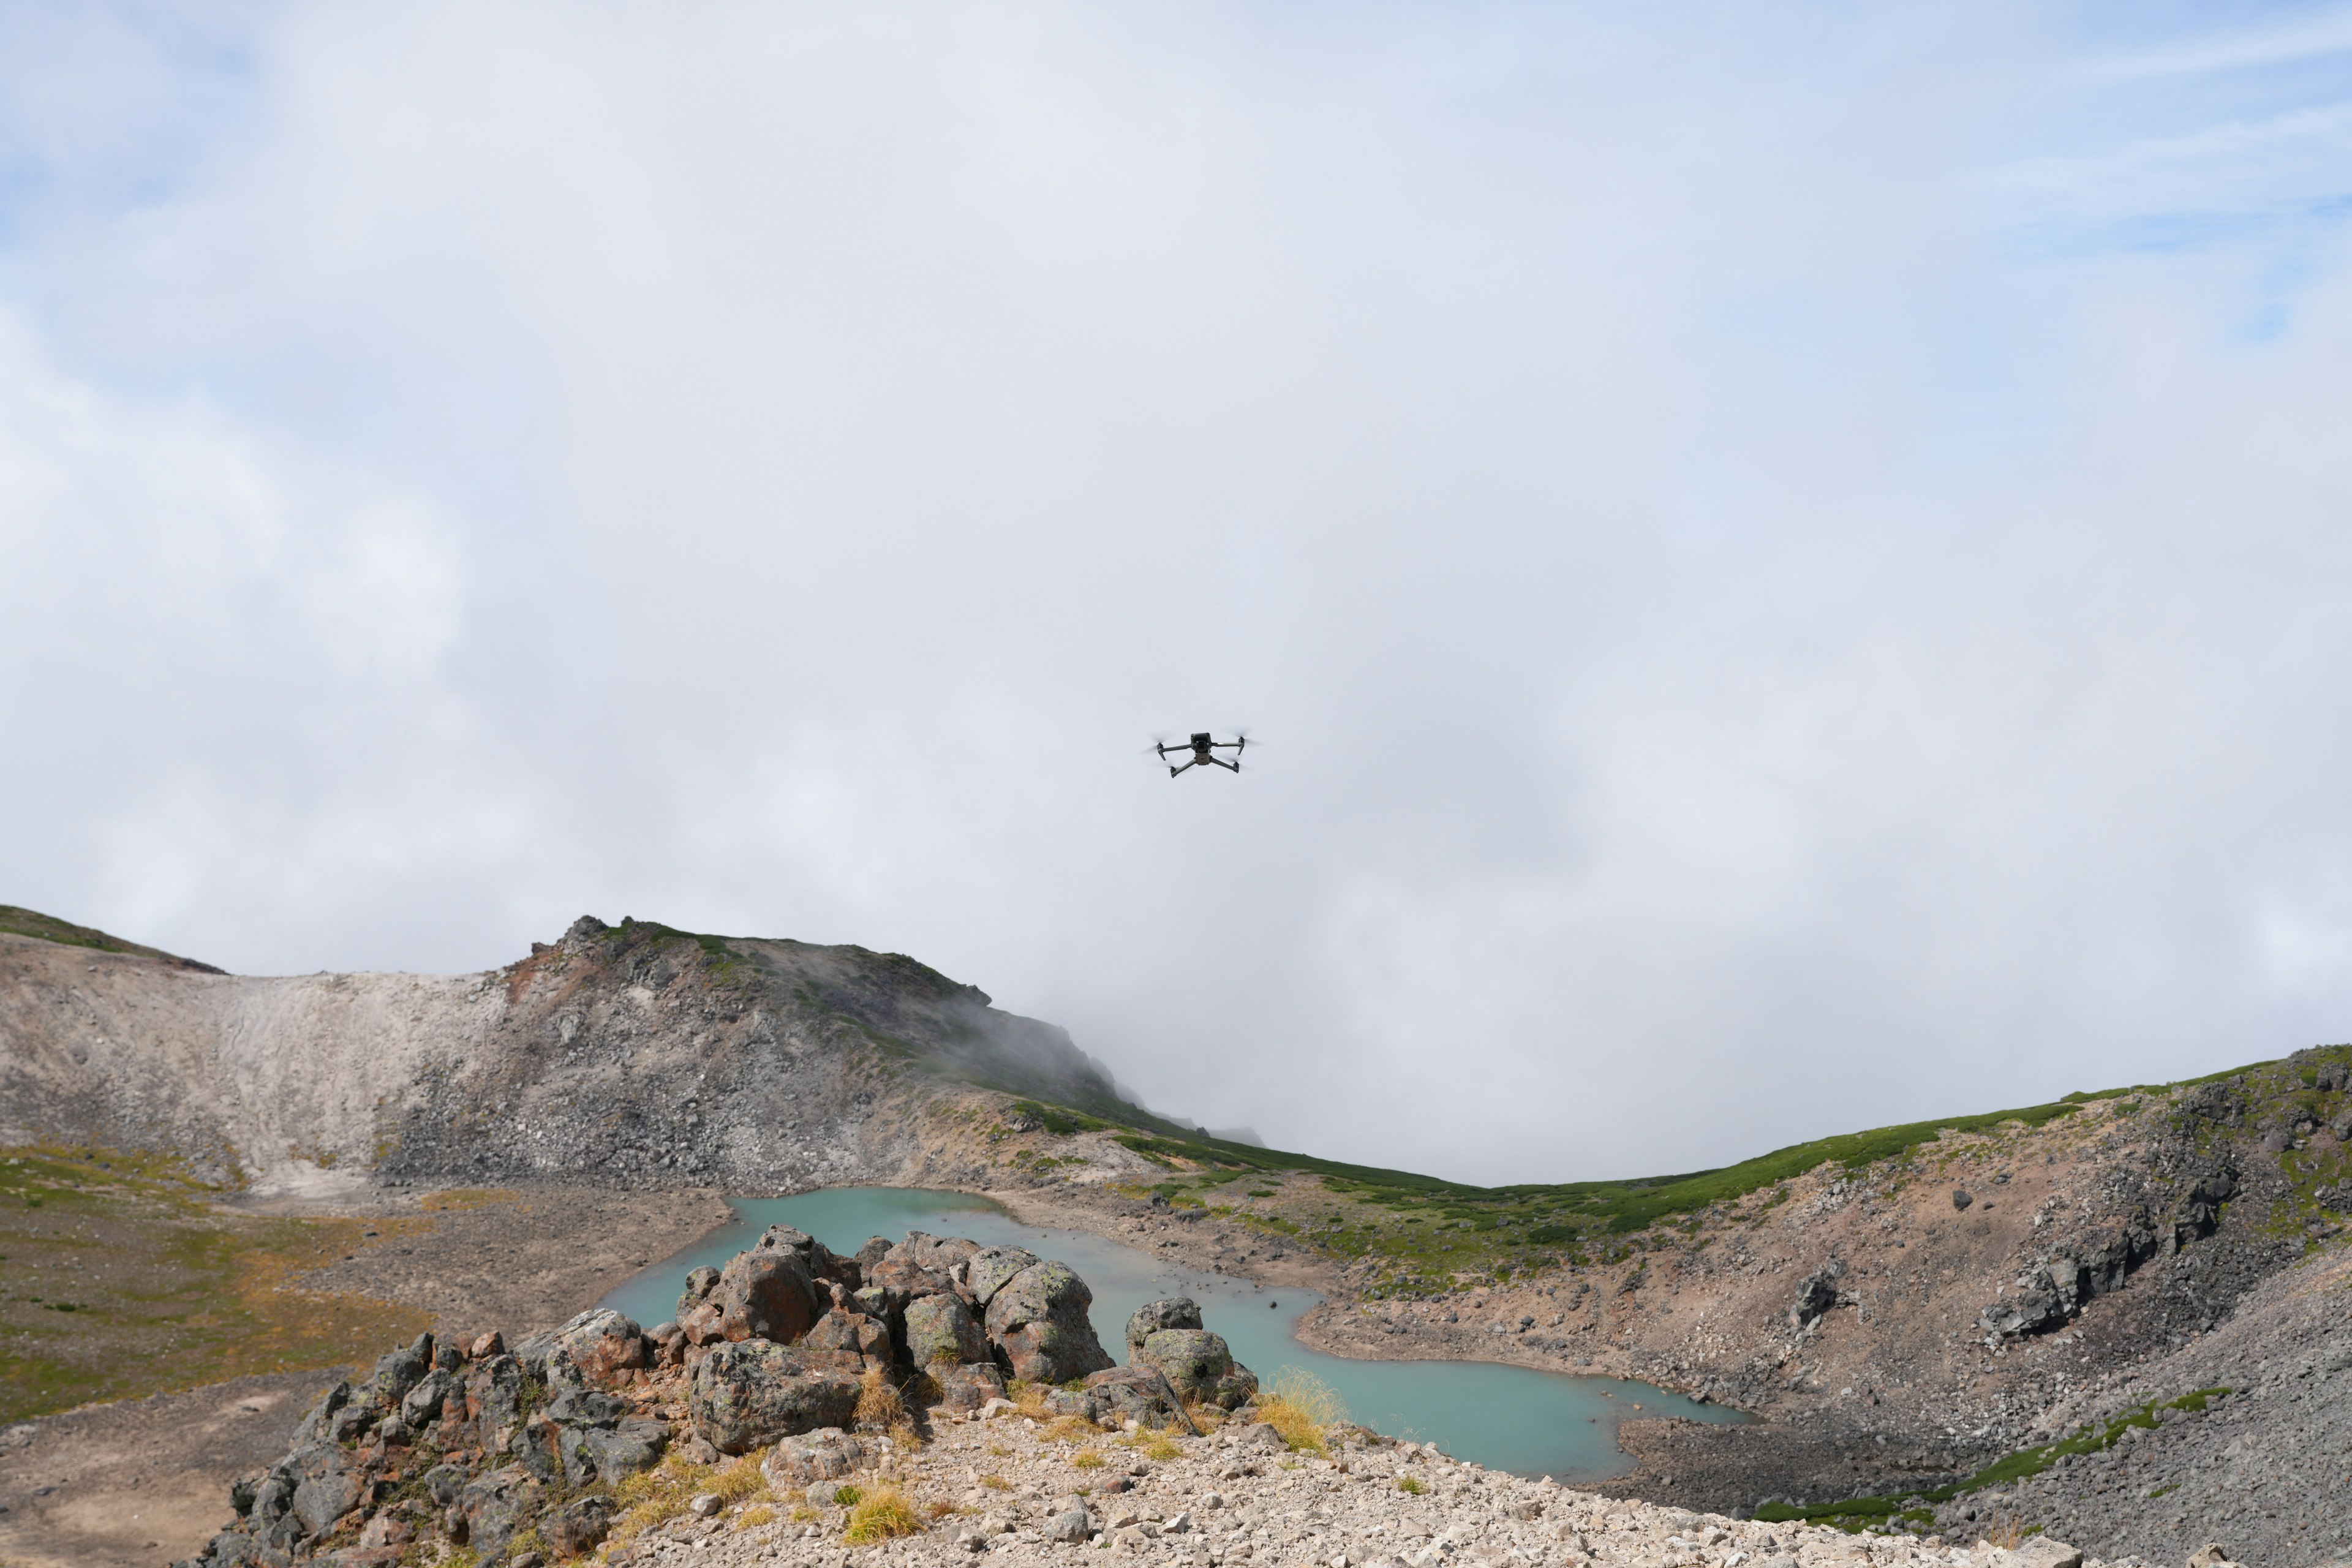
(628, 1054)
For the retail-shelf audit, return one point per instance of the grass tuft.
(1301, 1406)
(1087, 1459)
(1411, 1485)
(883, 1514)
(879, 1408)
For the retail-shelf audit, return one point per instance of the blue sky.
(1789, 562)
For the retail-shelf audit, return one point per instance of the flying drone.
(1204, 749)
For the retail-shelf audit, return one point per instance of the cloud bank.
(1790, 569)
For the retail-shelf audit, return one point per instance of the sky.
(1786, 566)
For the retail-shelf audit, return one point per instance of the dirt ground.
(145, 1482)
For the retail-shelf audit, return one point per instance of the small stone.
(705, 1504)
(1961, 1198)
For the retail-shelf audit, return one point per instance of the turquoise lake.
(1506, 1417)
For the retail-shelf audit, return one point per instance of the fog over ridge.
(1790, 569)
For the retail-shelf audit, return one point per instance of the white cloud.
(1741, 653)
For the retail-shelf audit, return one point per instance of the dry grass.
(739, 1480)
(940, 1511)
(655, 1497)
(1072, 1430)
(753, 1517)
(882, 1515)
(879, 1408)
(466, 1198)
(996, 1483)
(2005, 1531)
(1300, 1407)
(1152, 1445)
(1087, 1459)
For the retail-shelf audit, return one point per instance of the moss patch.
(122, 1279)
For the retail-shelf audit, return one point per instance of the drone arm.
(1221, 761)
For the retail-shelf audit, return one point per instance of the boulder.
(605, 1345)
(820, 1261)
(700, 1283)
(1201, 1366)
(1037, 1320)
(940, 1330)
(969, 1386)
(494, 1392)
(1816, 1293)
(1140, 1393)
(421, 1407)
(759, 1295)
(1175, 1312)
(877, 1247)
(325, 1488)
(398, 1373)
(746, 1393)
(985, 1272)
(495, 1507)
(1071, 1527)
(579, 1527)
(852, 1335)
(825, 1455)
(940, 1254)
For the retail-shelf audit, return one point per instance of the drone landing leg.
(1173, 772)
(1221, 761)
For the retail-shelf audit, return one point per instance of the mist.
(1786, 570)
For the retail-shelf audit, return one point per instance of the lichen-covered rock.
(1200, 1365)
(398, 1372)
(578, 1527)
(605, 1345)
(422, 1404)
(1174, 1312)
(767, 1295)
(325, 1488)
(986, 1273)
(969, 1386)
(495, 1507)
(700, 1283)
(940, 1330)
(1037, 1320)
(827, 1453)
(852, 1334)
(1140, 1393)
(749, 1392)
(822, 1263)
(494, 1392)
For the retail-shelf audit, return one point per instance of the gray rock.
(969, 1386)
(987, 1271)
(751, 1393)
(1174, 1312)
(1201, 1367)
(825, 1455)
(1961, 1198)
(495, 1507)
(1141, 1394)
(940, 1329)
(767, 1295)
(1038, 1321)
(604, 1345)
(421, 1405)
(2041, 1552)
(1070, 1528)
(578, 1527)
(700, 1283)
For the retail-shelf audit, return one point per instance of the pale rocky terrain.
(1859, 1313)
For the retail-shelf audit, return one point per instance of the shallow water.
(1506, 1417)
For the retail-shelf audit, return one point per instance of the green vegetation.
(1909, 1510)
(48, 928)
(123, 1280)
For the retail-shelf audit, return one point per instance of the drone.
(1203, 749)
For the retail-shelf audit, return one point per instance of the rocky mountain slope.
(1922, 1318)
(863, 1406)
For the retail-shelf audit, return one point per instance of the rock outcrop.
(785, 1350)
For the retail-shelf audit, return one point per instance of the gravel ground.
(2263, 1472)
